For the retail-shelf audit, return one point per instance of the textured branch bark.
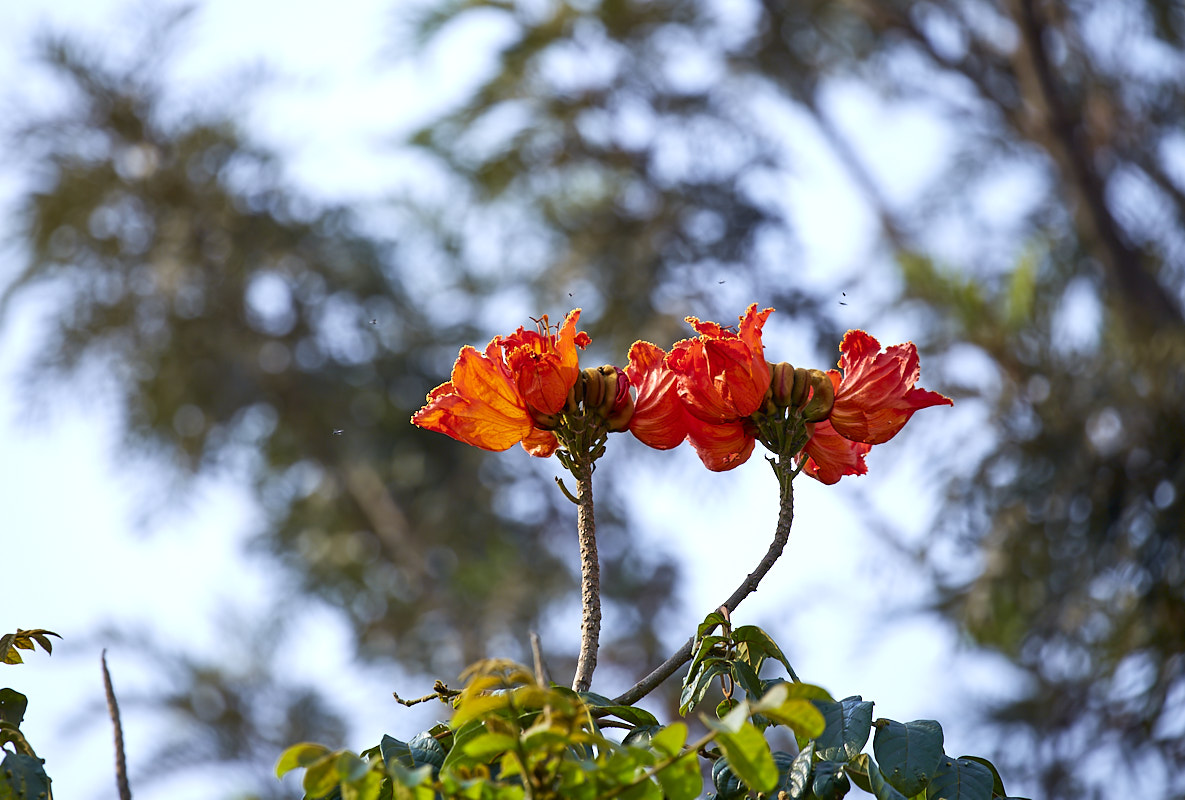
(121, 764)
(590, 579)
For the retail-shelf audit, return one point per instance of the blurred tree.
(614, 155)
(1060, 210)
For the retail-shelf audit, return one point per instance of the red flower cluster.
(708, 390)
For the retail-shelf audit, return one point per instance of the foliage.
(512, 736)
(22, 773)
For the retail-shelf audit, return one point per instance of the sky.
(86, 556)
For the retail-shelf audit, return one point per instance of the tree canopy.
(621, 152)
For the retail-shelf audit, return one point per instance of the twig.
(590, 575)
(121, 764)
(537, 653)
(439, 692)
(747, 587)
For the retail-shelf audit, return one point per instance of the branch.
(590, 577)
(747, 587)
(121, 764)
(1145, 301)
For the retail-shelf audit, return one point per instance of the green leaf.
(909, 753)
(960, 779)
(705, 647)
(694, 690)
(830, 782)
(24, 640)
(746, 749)
(641, 736)
(300, 755)
(630, 714)
(670, 740)
(796, 781)
(395, 751)
(424, 749)
(368, 787)
(483, 748)
(710, 623)
(746, 676)
(681, 780)
(728, 784)
(22, 777)
(997, 781)
(322, 776)
(796, 713)
(848, 724)
(754, 644)
(864, 773)
(12, 707)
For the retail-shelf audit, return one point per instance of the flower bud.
(818, 408)
(594, 388)
(802, 382)
(781, 383)
(623, 404)
(542, 420)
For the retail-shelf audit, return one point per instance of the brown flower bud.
(818, 408)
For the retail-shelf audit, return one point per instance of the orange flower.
(494, 397)
(876, 396)
(662, 421)
(544, 364)
(722, 375)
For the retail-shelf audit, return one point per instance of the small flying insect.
(841, 302)
(374, 322)
(338, 431)
(719, 282)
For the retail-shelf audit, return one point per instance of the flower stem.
(784, 469)
(590, 575)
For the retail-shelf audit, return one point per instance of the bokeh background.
(242, 240)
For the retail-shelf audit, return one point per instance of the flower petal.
(723, 376)
(721, 445)
(829, 456)
(876, 395)
(545, 365)
(660, 420)
(480, 405)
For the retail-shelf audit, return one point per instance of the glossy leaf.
(797, 779)
(754, 645)
(864, 773)
(745, 748)
(22, 777)
(728, 784)
(424, 749)
(12, 706)
(960, 779)
(697, 686)
(997, 781)
(631, 714)
(909, 753)
(848, 724)
(830, 781)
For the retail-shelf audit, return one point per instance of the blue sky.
(73, 501)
